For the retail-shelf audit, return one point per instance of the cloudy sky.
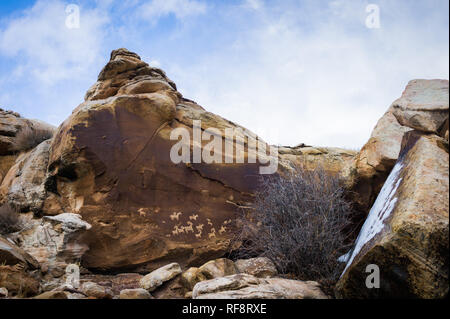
(293, 71)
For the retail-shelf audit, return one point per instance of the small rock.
(3, 292)
(156, 278)
(52, 295)
(259, 267)
(191, 277)
(91, 289)
(138, 293)
(218, 268)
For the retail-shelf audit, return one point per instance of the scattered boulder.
(91, 289)
(218, 268)
(259, 267)
(156, 278)
(423, 105)
(3, 292)
(191, 277)
(406, 232)
(52, 295)
(138, 293)
(244, 286)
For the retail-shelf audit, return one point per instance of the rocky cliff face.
(110, 162)
(105, 192)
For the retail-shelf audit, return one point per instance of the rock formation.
(423, 106)
(104, 193)
(406, 232)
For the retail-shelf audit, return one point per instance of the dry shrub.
(9, 220)
(300, 223)
(28, 138)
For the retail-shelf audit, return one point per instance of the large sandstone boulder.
(244, 286)
(406, 232)
(159, 276)
(423, 106)
(110, 163)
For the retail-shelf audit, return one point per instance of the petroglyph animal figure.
(175, 216)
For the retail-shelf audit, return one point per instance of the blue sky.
(292, 71)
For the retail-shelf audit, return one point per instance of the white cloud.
(324, 82)
(155, 9)
(48, 50)
(253, 4)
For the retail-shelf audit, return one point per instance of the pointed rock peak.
(126, 73)
(125, 53)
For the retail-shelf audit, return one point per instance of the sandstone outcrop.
(406, 232)
(110, 163)
(423, 106)
(11, 124)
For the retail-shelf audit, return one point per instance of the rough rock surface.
(24, 184)
(138, 293)
(333, 160)
(19, 271)
(259, 267)
(92, 289)
(11, 254)
(406, 232)
(54, 241)
(19, 281)
(159, 276)
(423, 106)
(244, 286)
(191, 277)
(52, 295)
(218, 268)
(110, 162)
(12, 123)
(3, 292)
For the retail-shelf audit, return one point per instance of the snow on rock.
(381, 210)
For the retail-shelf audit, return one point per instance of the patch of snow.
(344, 258)
(381, 209)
